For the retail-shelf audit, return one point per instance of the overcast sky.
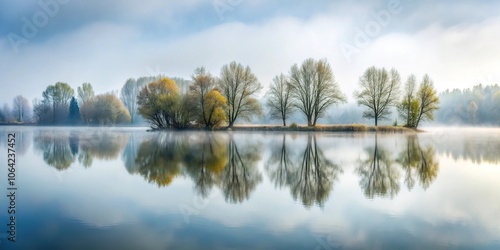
(106, 42)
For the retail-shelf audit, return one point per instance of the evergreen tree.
(74, 111)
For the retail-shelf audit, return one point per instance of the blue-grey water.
(125, 188)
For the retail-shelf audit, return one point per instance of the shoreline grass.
(342, 128)
(352, 128)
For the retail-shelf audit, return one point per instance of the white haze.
(107, 51)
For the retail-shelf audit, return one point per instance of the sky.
(106, 42)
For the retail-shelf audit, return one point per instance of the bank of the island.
(344, 128)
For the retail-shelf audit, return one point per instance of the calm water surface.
(119, 188)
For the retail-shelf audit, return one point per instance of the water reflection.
(159, 158)
(23, 139)
(209, 159)
(229, 162)
(130, 153)
(55, 148)
(280, 165)
(241, 176)
(311, 179)
(418, 162)
(103, 145)
(379, 176)
(479, 146)
(205, 162)
(60, 149)
(380, 173)
(333, 171)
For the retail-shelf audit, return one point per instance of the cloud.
(455, 57)
(133, 40)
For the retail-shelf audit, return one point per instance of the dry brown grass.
(348, 128)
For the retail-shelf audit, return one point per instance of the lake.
(125, 188)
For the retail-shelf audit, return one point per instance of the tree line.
(309, 88)
(207, 101)
(477, 105)
(60, 106)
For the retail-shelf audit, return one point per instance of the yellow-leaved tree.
(159, 102)
(215, 105)
(208, 102)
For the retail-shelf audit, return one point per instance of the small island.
(340, 128)
(217, 103)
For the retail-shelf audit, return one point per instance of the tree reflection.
(483, 151)
(379, 176)
(60, 149)
(240, 176)
(101, 145)
(74, 142)
(479, 146)
(310, 177)
(409, 160)
(130, 154)
(209, 159)
(418, 162)
(55, 148)
(205, 162)
(428, 168)
(159, 158)
(313, 180)
(23, 139)
(85, 158)
(280, 165)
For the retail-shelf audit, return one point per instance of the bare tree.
(85, 93)
(58, 96)
(203, 83)
(21, 108)
(379, 91)
(130, 91)
(408, 107)
(238, 85)
(6, 113)
(279, 101)
(41, 109)
(428, 100)
(314, 88)
(128, 96)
